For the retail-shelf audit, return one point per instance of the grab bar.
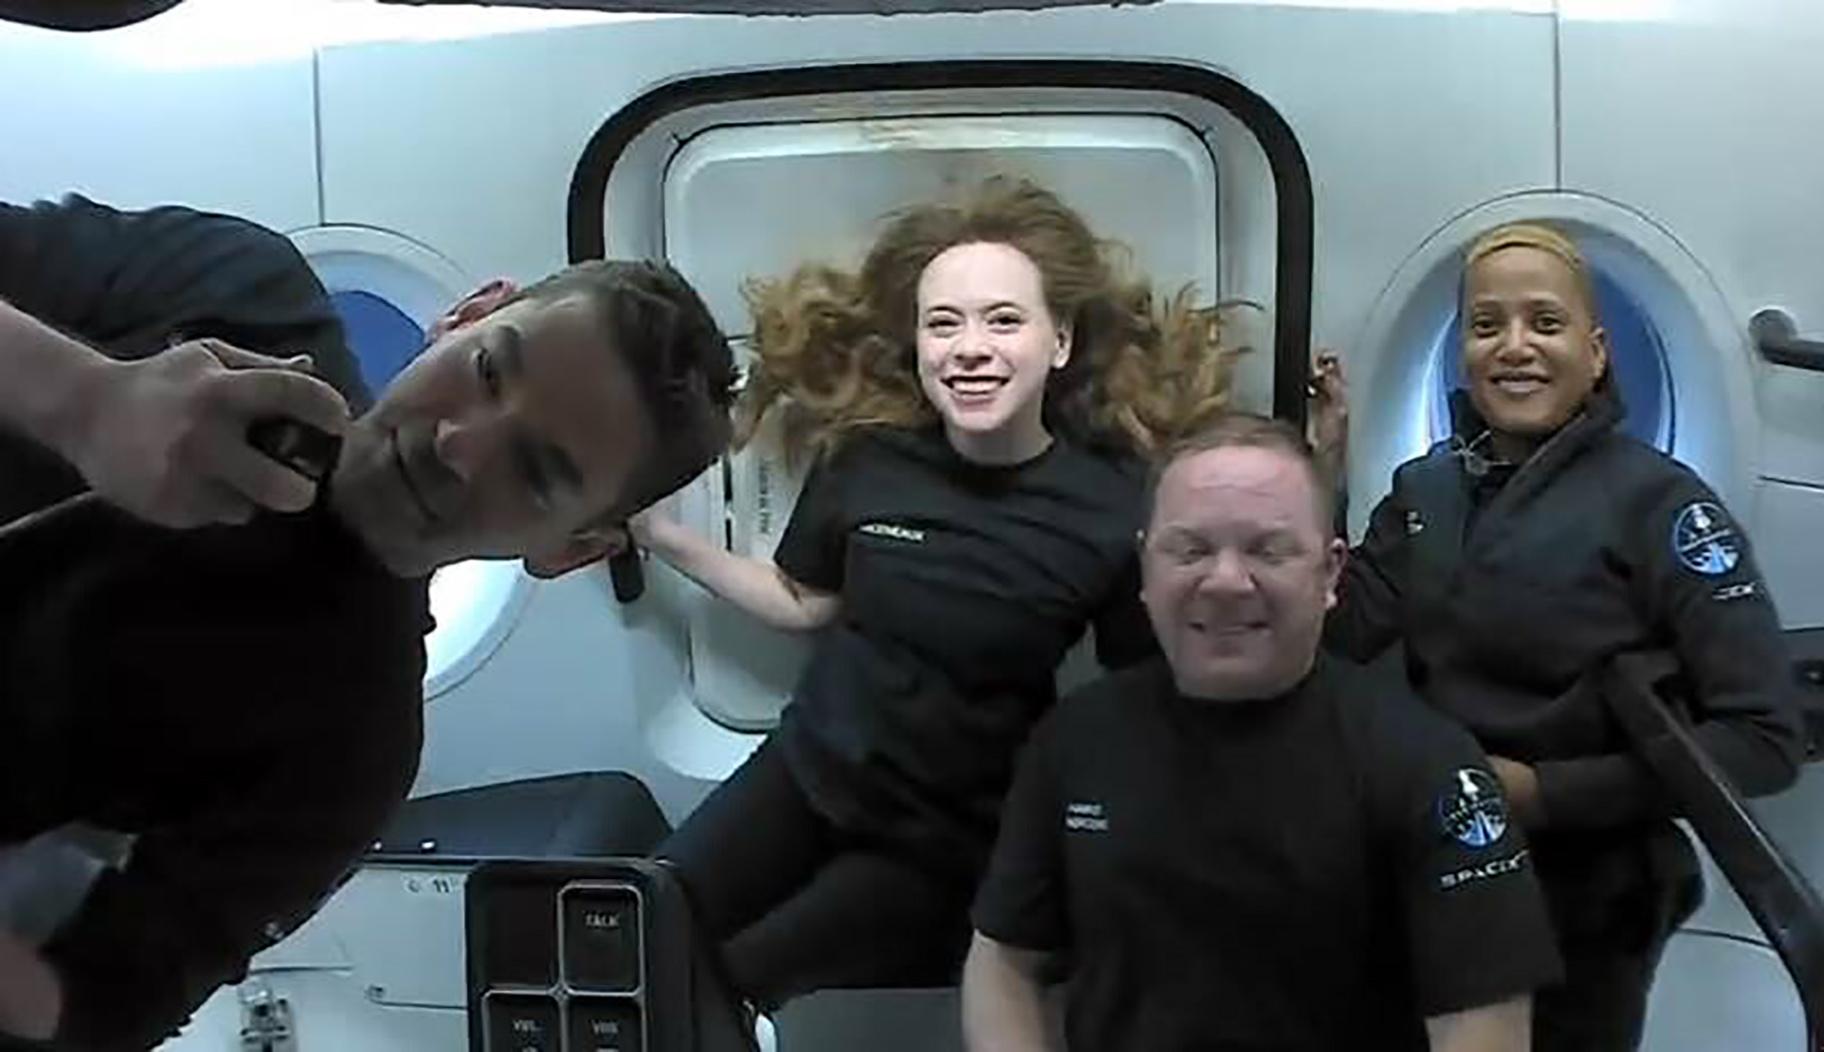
(1782, 902)
(1777, 337)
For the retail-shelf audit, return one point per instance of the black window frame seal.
(588, 204)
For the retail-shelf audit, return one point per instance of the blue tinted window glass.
(383, 338)
(1636, 352)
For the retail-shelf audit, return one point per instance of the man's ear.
(472, 308)
(1336, 556)
(581, 548)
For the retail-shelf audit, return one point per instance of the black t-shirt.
(1313, 872)
(247, 700)
(962, 588)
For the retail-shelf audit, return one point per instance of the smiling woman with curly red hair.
(977, 399)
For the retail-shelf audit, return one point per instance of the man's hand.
(1328, 416)
(166, 437)
(1520, 783)
(31, 995)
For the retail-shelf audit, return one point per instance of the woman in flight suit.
(977, 395)
(1514, 561)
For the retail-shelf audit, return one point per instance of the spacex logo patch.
(1704, 540)
(1472, 811)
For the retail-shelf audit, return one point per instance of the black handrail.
(1777, 337)
(1782, 902)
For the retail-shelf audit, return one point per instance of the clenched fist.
(166, 437)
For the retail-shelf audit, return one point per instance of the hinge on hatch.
(265, 1019)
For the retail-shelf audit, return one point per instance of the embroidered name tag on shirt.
(892, 532)
(1085, 818)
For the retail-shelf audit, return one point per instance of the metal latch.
(265, 1019)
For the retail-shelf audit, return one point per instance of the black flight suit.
(1512, 587)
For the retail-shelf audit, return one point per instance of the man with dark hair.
(479, 448)
(246, 699)
(677, 355)
(1245, 845)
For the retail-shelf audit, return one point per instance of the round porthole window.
(387, 291)
(383, 338)
(1679, 358)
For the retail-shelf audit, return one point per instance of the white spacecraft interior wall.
(86, 115)
(1698, 119)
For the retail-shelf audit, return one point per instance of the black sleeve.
(1475, 918)
(1367, 615)
(1022, 900)
(1124, 633)
(195, 902)
(814, 549)
(1697, 581)
(131, 283)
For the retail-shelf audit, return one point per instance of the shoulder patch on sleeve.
(1705, 540)
(1471, 809)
